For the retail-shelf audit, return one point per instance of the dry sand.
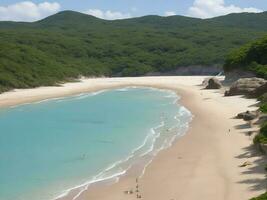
(203, 164)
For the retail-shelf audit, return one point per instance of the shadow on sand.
(257, 167)
(258, 162)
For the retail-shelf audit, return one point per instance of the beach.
(203, 164)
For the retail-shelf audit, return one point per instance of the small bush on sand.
(260, 139)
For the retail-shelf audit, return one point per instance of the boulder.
(247, 116)
(240, 115)
(213, 83)
(245, 86)
(205, 82)
(260, 90)
(263, 148)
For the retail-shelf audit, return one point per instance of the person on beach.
(137, 186)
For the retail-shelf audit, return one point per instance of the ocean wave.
(36, 102)
(83, 187)
(61, 99)
(81, 96)
(123, 89)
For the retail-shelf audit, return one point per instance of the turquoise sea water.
(51, 146)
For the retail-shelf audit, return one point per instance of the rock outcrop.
(247, 116)
(213, 83)
(246, 86)
(234, 75)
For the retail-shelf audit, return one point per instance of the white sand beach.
(203, 164)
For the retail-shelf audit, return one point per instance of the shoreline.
(140, 163)
(203, 164)
(23, 96)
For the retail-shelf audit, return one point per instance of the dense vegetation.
(69, 44)
(262, 136)
(263, 104)
(251, 57)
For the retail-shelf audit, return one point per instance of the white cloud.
(28, 11)
(212, 8)
(109, 15)
(169, 13)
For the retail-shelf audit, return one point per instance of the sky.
(32, 10)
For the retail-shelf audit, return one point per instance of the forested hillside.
(251, 57)
(69, 44)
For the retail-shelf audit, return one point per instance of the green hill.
(251, 57)
(253, 21)
(70, 44)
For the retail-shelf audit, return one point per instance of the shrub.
(260, 139)
(263, 108)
